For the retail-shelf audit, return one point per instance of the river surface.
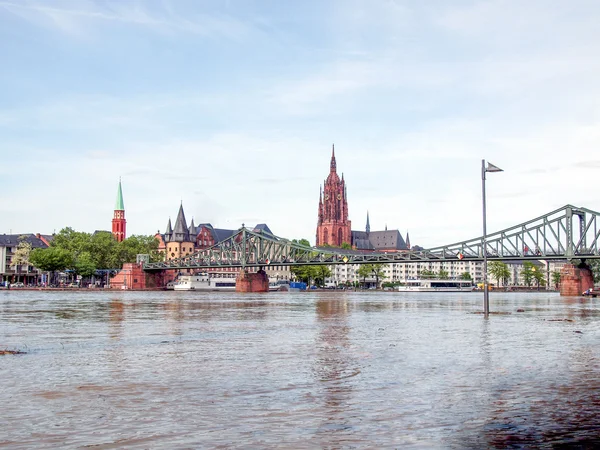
(333, 370)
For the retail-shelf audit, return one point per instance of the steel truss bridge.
(567, 233)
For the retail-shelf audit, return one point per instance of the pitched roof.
(387, 240)
(220, 234)
(262, 227)
(378, 240)
(180, 230)
(12, 240)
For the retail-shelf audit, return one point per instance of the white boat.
(204, 282)
(437, 286)
(279, 285)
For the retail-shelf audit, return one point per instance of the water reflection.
(306, 370)
(334, 368)
(116, 316)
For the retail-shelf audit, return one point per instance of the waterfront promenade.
(298, 370)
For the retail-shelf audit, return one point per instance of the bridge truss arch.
(567, 233)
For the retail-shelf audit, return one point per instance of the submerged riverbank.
(298, 370)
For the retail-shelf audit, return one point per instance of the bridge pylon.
(252, 281)
(574, 280)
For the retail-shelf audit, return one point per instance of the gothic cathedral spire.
(119, 223)
(332, 165)
(333, 226)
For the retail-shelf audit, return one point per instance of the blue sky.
(232, 108)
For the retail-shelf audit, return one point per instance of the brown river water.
(330, 370)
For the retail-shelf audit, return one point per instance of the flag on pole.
(492, 168)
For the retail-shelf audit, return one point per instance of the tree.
(321, 273)
(377, 270)
(364, 271)
(21, 256)
(527, 273)
(104, 248)
(304, 273)
(301, 242)
(346, 246)
(308, 272)
(51, 259)
(427, 274)
(442, 274)
(556, 279)
(84, 265)
(75, 242)
(539, 276)
(499, 271)
(127, 250)
(466, 276)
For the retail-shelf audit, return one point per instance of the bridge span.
(564, 234)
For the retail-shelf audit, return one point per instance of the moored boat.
(204, 282)
(436, 286)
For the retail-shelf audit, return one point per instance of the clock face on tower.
(326, 196)
(339, 196)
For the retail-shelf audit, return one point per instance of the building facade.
(25, 273)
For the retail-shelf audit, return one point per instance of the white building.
(401, 272)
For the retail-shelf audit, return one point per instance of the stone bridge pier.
(575, 279)
(252, 282)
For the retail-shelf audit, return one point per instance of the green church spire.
(119, 206)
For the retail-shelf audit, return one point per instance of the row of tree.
(85, 253)
(318, 273)
(530, 273)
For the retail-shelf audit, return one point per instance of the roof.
(389, 239)
(119, 206)
(262, 227)
(220, 234)
(12, 240)
(181, 232)
(378, 240)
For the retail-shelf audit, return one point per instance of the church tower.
(333, 226)
(119, 223)
(178, 241)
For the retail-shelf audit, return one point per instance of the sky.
(232, 107)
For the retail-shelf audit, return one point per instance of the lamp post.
(486, 295)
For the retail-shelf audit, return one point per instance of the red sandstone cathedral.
(333, 226)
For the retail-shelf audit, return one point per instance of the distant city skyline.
(232, 108)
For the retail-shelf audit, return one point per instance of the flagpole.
(486, 295)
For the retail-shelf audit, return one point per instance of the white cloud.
(414, 99)
(76, 17)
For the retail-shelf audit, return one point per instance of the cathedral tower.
(119, 223)
(333, 226)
